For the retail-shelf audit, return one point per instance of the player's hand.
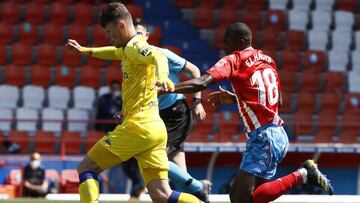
(73, 45)
(165, 86)
(199, 112)
(221, 97)
(119, 118)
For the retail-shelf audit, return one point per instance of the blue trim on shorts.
(83, 176)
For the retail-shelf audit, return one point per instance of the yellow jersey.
(142, 65)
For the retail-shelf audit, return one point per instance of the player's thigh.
(242, 187)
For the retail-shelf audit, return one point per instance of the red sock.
(271, 190)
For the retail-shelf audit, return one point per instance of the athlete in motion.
(255, 81)
(142, 134)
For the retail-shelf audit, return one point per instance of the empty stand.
(71, 142)
(10, 12)
(59, 13)
(69, 181)
(35, 13)
(113, 73)
(47, 54)
(275, 20)
(311, 80)
(90, 76)
(278, 4)
(289, 80)
(321, 20)
(294, 40)
(354, 82)
(26, 119)
(335, 81)
(298, 20)
(15, 75)
(58, 97)
(84, 97)
(203, 17)
(22, 54)
(315, 60)
(65, 76)
(330, 103)
(71, 59)
(33, 96)
(303, 123)
(306, 102)
(324, 5)
(6, 117)
(92, 138)
(318, 40)
(77, 120)
(228, 15)
(45, 142)
(344, 20)
(303, 5)
(84, 13)
(341, 40)
(287, 99)
(9, 96)
(338, 60)
(327, 123)
(290, 60)
(347, 5)
(6, 33)
(40, 75)
(21, 138)
(52, 120)
(53, 34)
(28, 33)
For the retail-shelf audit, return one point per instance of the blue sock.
(174, 197)
(87, 175)
(183, 179)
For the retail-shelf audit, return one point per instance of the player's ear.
(147, 35)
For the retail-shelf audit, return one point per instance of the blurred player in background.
(177, 116)
(256, 86)
(142, 134)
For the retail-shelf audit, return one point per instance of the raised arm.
(106, 53)
(194, 85)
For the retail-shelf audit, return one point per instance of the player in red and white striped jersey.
(256, 87)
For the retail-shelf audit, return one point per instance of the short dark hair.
(239, 30)
(114, 11)
(115, 82)
(139, 21)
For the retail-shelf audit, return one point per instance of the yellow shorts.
(144, 140)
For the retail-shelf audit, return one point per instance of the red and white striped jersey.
(255, 82)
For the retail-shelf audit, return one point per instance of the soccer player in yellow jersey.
(142, 134)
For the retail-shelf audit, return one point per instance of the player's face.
(228, 45)
(142, 30)
(115, 33)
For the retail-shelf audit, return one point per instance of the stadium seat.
(290, 60)
(52, 120)
(35, 13)
(357, 40)
(275, 20)
(338, 60)
(321, 20)
(6, 117)
(47, 54)
(29, 33)
(90, 76)
(289, 80)
(184, 3)
(135, 10)
(203, 17)
(14, 75)
(22, 54)
(294, 40)
(98, 36)
(201, 133)
(113, 73)
(231, 133)
(71, 59)
(14, 177)
(287, 106)
(303, 123)
(78, 32)
(355, 60)
(218, 39)
(103, 90)
(71, 142)
(318, 40)
(40, 75)
(9, 96)
(6, 33)
(298, 20)
(53, 34)
(84, 97)
(327, 122)
(174, 49)
(33, 96)
(59, 13)
(10, 12)
(352, 103)
(354, 82)
(311, 80)
(314, 60)
(212, 4)
(330, 103)
(4, 56)
(52, 174)
(253, 19)
(302, 5)
(344, 20)
(270, 40)
(42, 1)
(27, 119)
(58, 97)
(69, 181)
(348, 137)
(92, 138)
(45, 142)
(323, 137)
(227, 16)
(341, 40)
(84, 13)
(347, 5)
(335, 81)
(278, 4)
(255, 5)
(65, 76)
(233, 3)
(21, 138)
(350, 122)
(77, 120)
(324, 5)
(306, 102)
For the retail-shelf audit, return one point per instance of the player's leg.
(89, 169)
(179, 159)
(131, 169)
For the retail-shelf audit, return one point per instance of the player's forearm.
(195, 73)
(194, 85)
(106, 53)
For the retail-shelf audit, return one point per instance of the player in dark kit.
(256, 86)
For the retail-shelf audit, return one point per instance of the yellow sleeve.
(142, 52)
(106, 53)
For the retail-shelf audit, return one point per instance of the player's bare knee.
(88, 165)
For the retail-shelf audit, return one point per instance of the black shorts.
(178, 122)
